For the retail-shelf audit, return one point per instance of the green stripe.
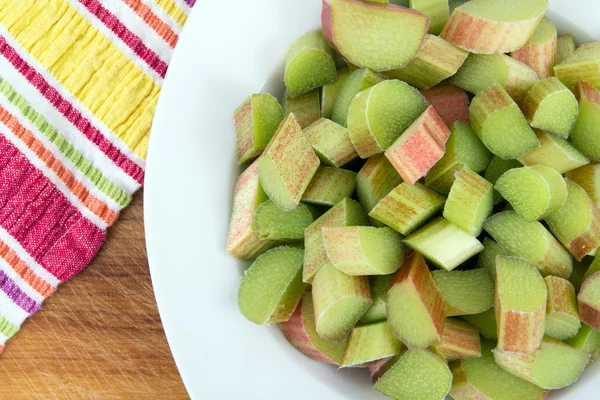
(6, 328)
(84, 165)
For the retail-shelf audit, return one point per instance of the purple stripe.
(190, 2)
(20, 298)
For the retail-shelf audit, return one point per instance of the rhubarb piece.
(463, 150)
(585, 132)
(470, 202)
(329, 186)
(415, 306)
(287, 165)
(460, 340)
(588, 340)
(588, 177)
(255, 121)
(242, 240)
(272, 287)
(482, 379)
(340, 300)
(580, 269)
(555, 152)
(520, 304)
(379, 367)
(450, 102)
(577, 224)
(306, 107)
(399, 31)
(589, 301)
(540, 50)
(379, 115)
(554, 365)
(565, 47)
(408, 207)
(420, 147)
(437, 61)
(346, 213)
(444, 244)
(356, 82)
(380, 285)
(495, 169)
(330, 91)
(592, 269)
(272, 223)
(583, 65)
(437, 11)
(482, 71)
(485, 323)
(364, 250)
(531, 241)
(309, 64)
(546, 191)
(488, 27)
(562, 317)
(551, 106)
(331, 143)
(487, 258)
(415, 375)
(301, 332)
(500, 125)
(465, 292)
(369, 343)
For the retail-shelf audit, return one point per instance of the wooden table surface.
(99, 336)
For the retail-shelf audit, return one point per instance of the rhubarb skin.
(554, 152)
(378, 368)
(585, 132)
(565, 47)
(583, 65)
(368, 343)
(588, 177)
(540, 50)
(487, 258)
(562, 317)
(460, 340)
(305, 107)
(450, 102)
(331, 143)
(329, 92)
(437, 11)
(589, 301)
(329, 186)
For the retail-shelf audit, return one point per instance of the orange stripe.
(95, 205)
(27, 274)
(158, 25)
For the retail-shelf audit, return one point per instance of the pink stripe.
(129, 38)
(71, 113)
(42, 219)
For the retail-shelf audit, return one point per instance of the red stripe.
(71, 113)
(42, 219)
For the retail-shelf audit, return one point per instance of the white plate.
(229, 50)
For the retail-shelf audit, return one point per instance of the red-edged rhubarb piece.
(540, 50)
(589, 301)
(460, 340)
(450, 102)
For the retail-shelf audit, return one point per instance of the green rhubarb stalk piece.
(420, 147)
(370, 343)
(583, 65)
(329, 92)
(437, 61)
(540, 367)
(588, 300)
(242, 239)
(272, 287)
(495, 169)
(255, 121)
(301, 332)
(287, 165)
(379, 115)
(340, 300)
(585, 132)
(485, 323)
(577, 223)
(460, 340)
(580, 269)
(592, 269)
(520, 305)
(380, 285)
(437, 11)
(500, 125)
(357, 81)
(329, 186)
(415, 306)
(588, 340)
(540, 50)
(562, 317)
(551, 106)
(470, 202)
(487, 258)
(489, 27)
(408, 207)
(309, 64)
(546, 191)
(465, 292)
(347, 212)
(364, 250)
(565, 47)
(331, 143)
(415, 375)
(305, 107)
(450, 102)
(588, 177)
(444, 243)
(399, 32)
(272, 223)
(531, 241)
(554, 152)
(379, 367)
(464, 149)
(482, 379)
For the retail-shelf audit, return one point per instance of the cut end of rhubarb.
(370, 343)
(589, 301)
(562, 317)
(460, 340)
(331, 143)
(465, 292)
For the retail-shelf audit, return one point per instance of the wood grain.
(100, 335)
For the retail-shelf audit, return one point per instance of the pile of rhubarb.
(423, 200)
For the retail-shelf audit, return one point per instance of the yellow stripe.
(87, 64)
(174, 11)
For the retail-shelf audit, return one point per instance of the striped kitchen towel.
(79, 83)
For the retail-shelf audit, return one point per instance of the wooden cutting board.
(100, 335)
